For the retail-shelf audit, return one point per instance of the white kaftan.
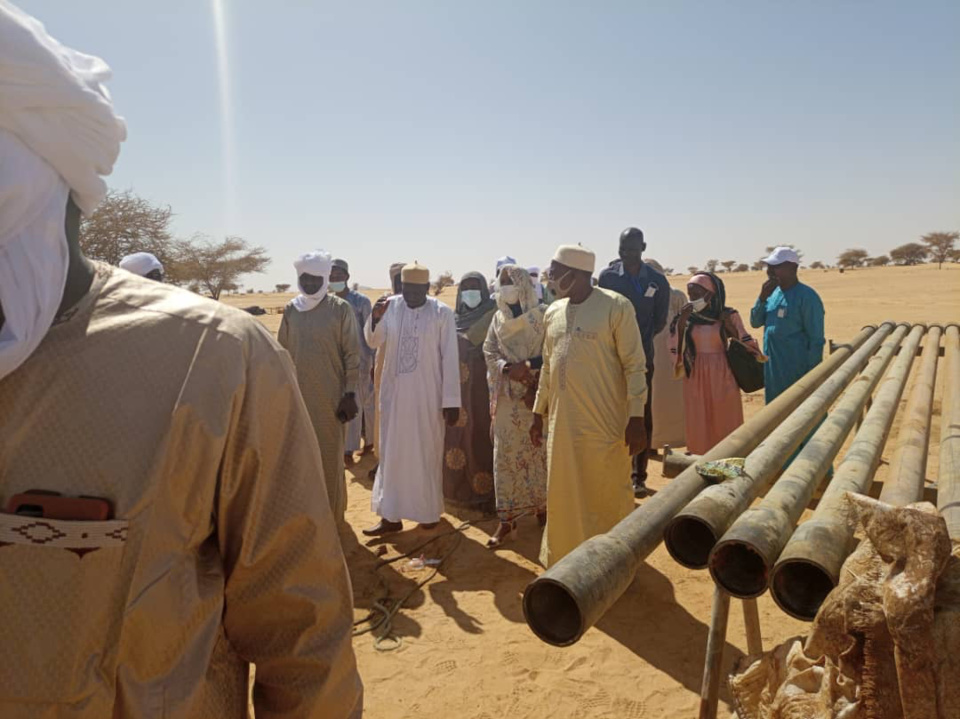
(420, 377)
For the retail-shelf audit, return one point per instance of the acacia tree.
(214, 267)
(728, 265)
(443, 281)
(283, 288)
(758, 265)
(693, 269)
(940, 246)
(852, 258)
(125, 223)
(911, 253)
(742, 267)
(667, 271)
(816, 265)
(712, 265)
(880, 261)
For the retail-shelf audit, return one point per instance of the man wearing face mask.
(593, 390)
(320, 333)
(468, 449)
(362, 425)
(419, 392)
(649, 293)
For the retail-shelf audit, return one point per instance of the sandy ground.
(465, 648)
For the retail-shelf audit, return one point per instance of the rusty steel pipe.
(571, 596)
(809, 566)
(948, 480)
(674, 463)
(908, 466)
(692, 534)
(742, 560)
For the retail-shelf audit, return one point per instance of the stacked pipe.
(908, 466)
(742, 560)
(692, 534)
(948, 480)
(809, 567)
(572, 595)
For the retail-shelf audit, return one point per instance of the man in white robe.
(419, 391)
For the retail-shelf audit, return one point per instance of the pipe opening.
(739, 569)
(552, 613)
(690, 540)
(800, 588)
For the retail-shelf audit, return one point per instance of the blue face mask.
(471, 298)
(338, 287)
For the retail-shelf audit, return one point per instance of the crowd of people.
(164, 459)
(529, 396)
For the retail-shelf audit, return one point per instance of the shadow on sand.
(649, 622)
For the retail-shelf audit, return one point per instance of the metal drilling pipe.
(742, 560)
(692, 534)
(908, 466)
(674, 464)
(809, 567)
(948, 480)
(571, 596)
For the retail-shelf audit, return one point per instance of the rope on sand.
(385, 609)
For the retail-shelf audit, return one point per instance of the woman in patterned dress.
(513, 352)
(468, 447)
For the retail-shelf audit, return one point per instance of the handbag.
(746, 368)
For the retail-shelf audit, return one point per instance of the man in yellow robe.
(320, 332)
(213, 546)
(593, 390)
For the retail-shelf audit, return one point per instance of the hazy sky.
(454, 132)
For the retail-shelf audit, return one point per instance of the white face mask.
(698, 304)
(510, 294)
(338, 287)
(471, 298)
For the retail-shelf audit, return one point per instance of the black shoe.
(640, 490)
(384, 527)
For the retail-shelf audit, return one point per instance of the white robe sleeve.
(376, 337)
(449, 359)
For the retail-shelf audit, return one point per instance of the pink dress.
(711, 396)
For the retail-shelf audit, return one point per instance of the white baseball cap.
(781, 255)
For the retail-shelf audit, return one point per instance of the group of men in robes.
(589, 409)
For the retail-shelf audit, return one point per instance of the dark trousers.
(640, 460)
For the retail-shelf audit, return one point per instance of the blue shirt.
(793, 338)
(648, 291)
(362, 308)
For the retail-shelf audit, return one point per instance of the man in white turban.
(320, 332)
(592, 391)
(192, 536)
(419, 391)
(143, 264)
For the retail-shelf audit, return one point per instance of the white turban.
(51, 97)
(58, 134)
(318, 264)
(141, 263)
(535, 278)
(576, 256)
